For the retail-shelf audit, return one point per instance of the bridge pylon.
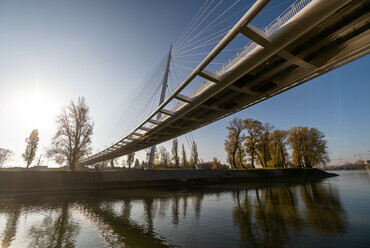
(161, 100)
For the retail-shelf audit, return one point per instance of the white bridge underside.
(324, 35)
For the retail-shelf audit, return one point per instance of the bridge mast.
(163, 94)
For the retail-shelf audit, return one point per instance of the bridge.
(309, 39)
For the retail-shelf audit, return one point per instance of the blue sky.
(56, 51)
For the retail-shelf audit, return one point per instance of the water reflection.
(10, 226)
(264, 216)
(57, 229)
(268, 217)
(324, 211)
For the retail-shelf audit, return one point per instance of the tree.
(164, 157)
(175, 152)
(241, 154)
(216, 164)
(296, 140)
(264, 138)
(130, 159)
(233, 144)
(5, 156)
(103, 164)
(253, 128)
(113, 162)
(72, 140)
(278, 149)
(194, 155)
(309, 147)
(316, 150)
(31, 148)
(143, 164)
(137, 164)
(184, 161)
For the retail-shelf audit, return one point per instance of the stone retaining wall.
(36, 181)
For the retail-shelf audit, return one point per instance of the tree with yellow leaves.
(234, 142)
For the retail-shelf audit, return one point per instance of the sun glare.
(35, 110)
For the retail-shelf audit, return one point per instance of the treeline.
(162, 159)
(358, 165)
(250, 143)
(175, 158)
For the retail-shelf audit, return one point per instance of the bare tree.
(175, 152)
(72, 140)
(130, 159)
(164, 157)
(31, 148)
(5, 156)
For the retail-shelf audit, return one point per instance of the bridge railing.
(270, 29)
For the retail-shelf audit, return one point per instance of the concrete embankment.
(39, 181)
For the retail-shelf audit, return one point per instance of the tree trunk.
(234, 159)
(72, 165)
(282, 156)
(265, 154)
(259, 158)
(252, 159)
(241, 159)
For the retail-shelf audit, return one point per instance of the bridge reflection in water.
(231, 215)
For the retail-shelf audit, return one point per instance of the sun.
(35, 110)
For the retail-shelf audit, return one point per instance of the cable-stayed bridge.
(309, 39)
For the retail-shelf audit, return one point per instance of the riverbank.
(44, 181)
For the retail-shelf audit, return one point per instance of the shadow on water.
(265, 215)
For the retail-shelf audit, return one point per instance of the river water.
(333, 212)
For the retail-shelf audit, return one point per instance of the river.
(333, 212)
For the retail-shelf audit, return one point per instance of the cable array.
(211, 23)
(133, 110)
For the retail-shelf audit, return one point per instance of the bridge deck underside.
(341, 38)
